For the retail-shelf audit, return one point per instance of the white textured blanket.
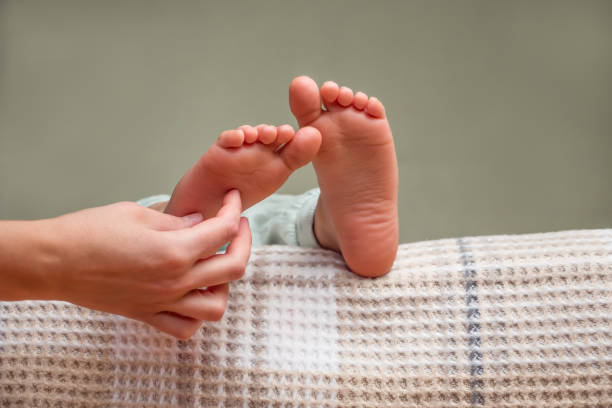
(502, 321)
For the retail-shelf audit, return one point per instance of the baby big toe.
(231, 138)
(302, 148)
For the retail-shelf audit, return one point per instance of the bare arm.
(129, 260)
(28, 258)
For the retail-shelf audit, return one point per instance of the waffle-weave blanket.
(498, 321)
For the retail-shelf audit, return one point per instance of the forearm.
(29, 257)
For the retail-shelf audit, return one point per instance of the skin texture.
(129, 260)
(254, 160)
(357, 172)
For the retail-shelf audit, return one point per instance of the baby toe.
(360, 100)
(345, 96)
(284, 134)
(329, 92)
(250, 133)
(375, 108)
(266, 134)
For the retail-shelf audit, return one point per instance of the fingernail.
(194, 218)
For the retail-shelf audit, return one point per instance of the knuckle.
(185, 284)
(236, 270)
(217, 310)
(185, 333)
(173, 258)
(163, 292)
(175, 288)
(231, 228)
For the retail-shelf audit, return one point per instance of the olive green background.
(501, 110)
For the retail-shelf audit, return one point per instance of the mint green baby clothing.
(280, 219)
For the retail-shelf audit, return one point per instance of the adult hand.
(150, 266)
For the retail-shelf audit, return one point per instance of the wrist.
(51, 259)
(29, 255)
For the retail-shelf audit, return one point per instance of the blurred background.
(501, 110)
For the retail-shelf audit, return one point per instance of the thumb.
(192, 219)
(166, 222)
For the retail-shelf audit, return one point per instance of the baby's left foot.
(357, 171)
(254, 160)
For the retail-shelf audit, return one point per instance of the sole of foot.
(254, 160)
(357, 172)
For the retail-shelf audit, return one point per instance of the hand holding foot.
(357, 172)
(130, 260)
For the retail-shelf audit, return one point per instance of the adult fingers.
(153, 218)
(181, 327)
(232, 206)
(205, 238)
(223, 268)
(200, 304)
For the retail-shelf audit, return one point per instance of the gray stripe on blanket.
(473, 322)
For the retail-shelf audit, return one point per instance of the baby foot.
(357, 172)
(254, 160)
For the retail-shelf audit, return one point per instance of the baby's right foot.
(357, 171)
